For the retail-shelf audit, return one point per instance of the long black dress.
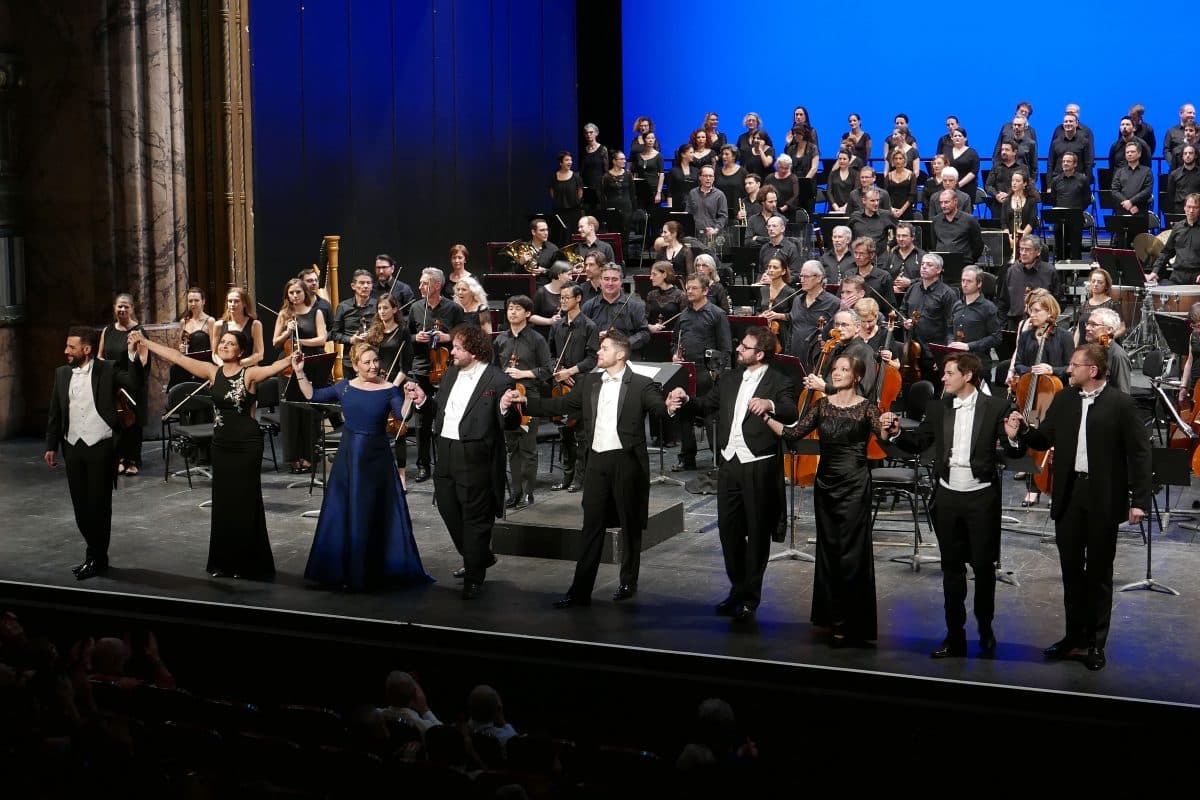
(297, 424)
(238, 544)
(844, 584)
(395, 356)
(129, 440)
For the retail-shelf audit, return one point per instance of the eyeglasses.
(1076, 364)
(744, 346)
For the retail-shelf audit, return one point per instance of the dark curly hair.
(473, 340)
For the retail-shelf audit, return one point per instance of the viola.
(439, 357)
(910, 355)
(560, 389)
(887, 387)
(520, 387)
(1034, 394)
(126, 409)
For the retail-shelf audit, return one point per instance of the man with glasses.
(812, 304)
(935, 302)
(1106, 322)
(750, 479)
(1102, 458)
(778, 246)
(975, 321)
(1028, 273)
(613, 309)
(875, 280)
(850, 343)
(709, 207)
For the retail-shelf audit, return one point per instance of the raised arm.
(200, 369)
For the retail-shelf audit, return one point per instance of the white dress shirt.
(961, 478)
(736, 447)
(84, 423)
(460, 395)
(604, 430)
(1081, 455)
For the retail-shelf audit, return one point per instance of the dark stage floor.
(160, 542)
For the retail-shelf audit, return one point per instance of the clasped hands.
(508, 398)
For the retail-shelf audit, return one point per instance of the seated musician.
(778, 245)
(1185, 377)
(587, 229)
(870, 222)
(975, 321)
(811, 306)
(877, 280)
(935, 300)
(872, 328)
(1099, 283)
(1102, 325)
(956, 231)
(1028, 272)
(851, 343)
(756, 228)
(838, 258)
(542, 252)
(1183, 245)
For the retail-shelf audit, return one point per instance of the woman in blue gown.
(364, 536)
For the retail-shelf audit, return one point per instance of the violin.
(910, 356)
(520, 387)
(439, 357)
(887, 387)
(803, 468)
(559, 389)
(126, 409)
(1034, 394)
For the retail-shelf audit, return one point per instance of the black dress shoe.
(575, 488)
(471, 590)
(743, 613)
(567, 481)
(1094, 659)
(91, 569)
(460, 573)
(987, 643)
(567, 601)
(624, 592)
(951, 648)
(513, 501)
(527, 499)
(684, 465)
(1063, 648)
(727, 607)
(422, 474)
(75, 569)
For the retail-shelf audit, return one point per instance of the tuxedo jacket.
(1118, 451)
(937, 430)
(481, 430)
(107, 379)
(639, 396)
(722, 398)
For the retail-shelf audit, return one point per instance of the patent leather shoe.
(987, 643)
(1094, 659)
(624, 592)
(471, 591)
(460, 573)
(75, 569)
(90, 569)
(567, 601)
(743, 613)
(513, 501)
(422, 474)
(727, 607)
(1063, 648)
(565, 483)
(951, 647)
(575, 488)
(683, 465)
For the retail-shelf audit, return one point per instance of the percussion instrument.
(1129, 300)
(1175, 298)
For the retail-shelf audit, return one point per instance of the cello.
(1034, 394)
(804, 468)
(887, 388)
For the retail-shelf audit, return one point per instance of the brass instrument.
(573, 254)
(521, 253)
(741, 218)
(1015, 233)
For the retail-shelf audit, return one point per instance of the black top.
(1085, 311)
(681, 261)
(531, 351)
(627, 314)
(1184, 244)
(1133, 185)
(901, 192)
(999, 180)
(422, 318)
(1057, 352)
(786, 249)
(745, 156)
(835, 266)
(350, 318)
(400, 291)
(679, 183)
(839, 188)
(1010, 298)
(1028, 216)
(980, 324)
(861, 148)
(592, 166)
(960, 235)
(389, 346)
(804, 318)
(662, 304)
(700, 331)
(566, 194)
(1180, 183)
(733, 186)
(967, 161)
(718, 295)
(648, 170)
(581, 340)
(616, 191)
(1116, 152)
(936, 304)
(909, 266)
(545, 302)
(875, 226)
(1071, 191)
(879, 280)
(1081, 146)
(788, 190)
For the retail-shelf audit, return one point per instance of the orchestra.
(854, 310)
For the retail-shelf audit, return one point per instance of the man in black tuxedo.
(964, 429)
(469, 425)
(1102, 456)
(750, 477)
(611, 406)
(83, 420)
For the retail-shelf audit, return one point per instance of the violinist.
(812, 303)
(239, 316)
(352, 317)
(525, 357)
(1101, 328)
(976, 322)
(298, 321)
(935, 300)
(432, 311)
(1055, 345)
(780, 294)
(615, 309)
(546, 299)
(193, 328)
(113, 340)
(851, 344)
(389, 335)
(703, 338)
(574, 342)
(388, 282)
(665, 299)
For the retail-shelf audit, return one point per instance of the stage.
(159, 548)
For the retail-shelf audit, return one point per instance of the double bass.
(1034, 394)
(803, 468)
(887, 388)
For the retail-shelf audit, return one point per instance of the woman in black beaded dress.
(300, 320)
(665, 299)
(114, 347)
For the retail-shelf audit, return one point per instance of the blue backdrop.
(968, 58)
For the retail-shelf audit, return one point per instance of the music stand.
(1122, 264)
(923, 228)
(952, 266)
(827, 223)
(793, 371)
(658, 349)
(668, 375)
(687, 223)
(752, 294)
(745, 262)
(506, 285)
(1124, 227)
(1170, 466)
(1064, 220)
(1171, 219)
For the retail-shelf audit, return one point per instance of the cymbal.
(1147, 247)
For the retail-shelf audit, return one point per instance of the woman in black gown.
(458, 269)
(193, 333)
(858, 139)
(114, 347)
(964, 159)
(648, 173)
(844, 584)
(842, 181)
(298, 319)
(238, 542)
(731, 179)
(900, 181)
(683, 177)
(1018, 213)
(665, 299)
(566, 197)
(593, 163)
(616, 191)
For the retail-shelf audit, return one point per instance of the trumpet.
(521, 253)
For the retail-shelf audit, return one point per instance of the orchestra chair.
(910, 477)
(268, 414)
(183, 437)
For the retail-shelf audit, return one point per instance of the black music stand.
(499, 284)
(687, 223)
(1124, 227)
(827, 223)
(1122, 264)
(1170, 466)
(794, 371)
(668, 375)
(659, 348)
(318, 368)
(924, 232)
(745, 262)
(1065, 220)
(751, 294)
